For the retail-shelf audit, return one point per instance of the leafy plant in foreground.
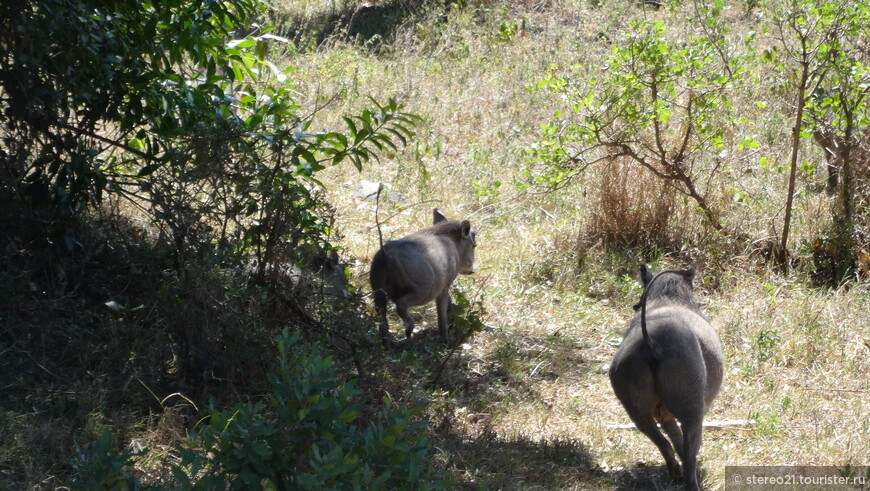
(156, 104)
(305, 436)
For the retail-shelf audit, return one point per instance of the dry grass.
(634, 208)
(527, 405)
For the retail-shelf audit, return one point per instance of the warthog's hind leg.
(381, 303)
(692, 428)
(402, 310)
(674, 433)
(647, 425)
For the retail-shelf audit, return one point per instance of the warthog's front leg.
(442, 304)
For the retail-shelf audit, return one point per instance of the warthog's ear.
(438, 217)
(689, 275)
(465, 228)
(645, 275)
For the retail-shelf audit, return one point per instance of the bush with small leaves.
(305, 435)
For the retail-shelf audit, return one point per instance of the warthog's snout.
(471, 266)
(669, 369)
(420, 268)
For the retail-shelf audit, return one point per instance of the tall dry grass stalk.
(633, 208)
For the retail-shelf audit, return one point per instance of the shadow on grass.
(351, 20)
(490, 462)
(641, 476)
(484, 459)
(518, 463)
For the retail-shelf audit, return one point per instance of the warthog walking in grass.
(669, 368)
(419, 268)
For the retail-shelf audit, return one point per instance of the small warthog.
(669, 368)
(419, 268)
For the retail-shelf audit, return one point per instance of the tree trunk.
(781, 255)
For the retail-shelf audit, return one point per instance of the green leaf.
(361, 135)
(260, 448)
(149, 169)
(241, 43)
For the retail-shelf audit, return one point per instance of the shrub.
(100, 467)
(658, 105)
(305, 435)
(634, 208)
(156, 104)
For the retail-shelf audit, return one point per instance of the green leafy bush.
(100, 467)
(104, 90)
(158, 105)
(659, 105)
(306, 435)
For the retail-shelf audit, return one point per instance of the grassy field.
(527, 404)
(119, 339)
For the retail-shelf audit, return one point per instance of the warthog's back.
(420, 265)
(685, 347)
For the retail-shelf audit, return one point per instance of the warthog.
(669, 368)
(419, 268)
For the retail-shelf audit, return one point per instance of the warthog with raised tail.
(419, 268)
(669, 368)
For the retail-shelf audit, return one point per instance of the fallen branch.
(857, 391)
(730, 423)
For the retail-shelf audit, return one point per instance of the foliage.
(823, 43)
(103, 78)
(154, 108)
(813, 36)
(304, 437)
(150, 102)
(659, 103)
(664, 104)
(466, 315)
(101, 467)
(766, 342)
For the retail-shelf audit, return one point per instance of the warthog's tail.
(377, 215)
(646, 339)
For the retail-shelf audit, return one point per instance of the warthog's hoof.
(389, 343)
(676, 473)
